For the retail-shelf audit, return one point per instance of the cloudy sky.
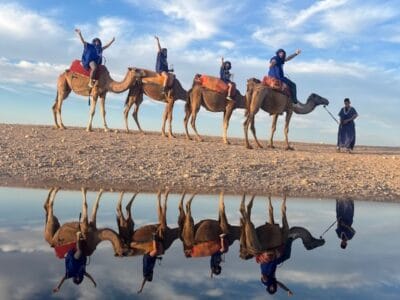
(365, 270)
(350, 49)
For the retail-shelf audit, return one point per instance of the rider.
(216, 258)
(92, 54)
(225, 76)
(75, 264)
(276, 70)
(162, 64)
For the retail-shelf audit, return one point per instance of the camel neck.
(107, 234)
(121, 86)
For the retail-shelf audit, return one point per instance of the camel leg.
(287, 121)
(273, 129)
(246, 129)
(170, 107)
(270, 211)
(253, 130)
(128, 208)
(188, 226)
(95, 208)
(193, 123)
(164, 120)
(119, 206)
(285, 224)
(103, 111)
(227, 117)
(91, 113)
(181, 218)
(84, 225)
(55, 112)
(52, 224)
(163, 220)
(135, 113)
(62, 93)
(223, 221)
(249, 244)
(185, 123)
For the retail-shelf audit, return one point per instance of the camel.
(269, 237)
(72, 81)
(57, 235)
(206, 230)
(211, 101)
(140, 240)
(275, 103)
(152, 88)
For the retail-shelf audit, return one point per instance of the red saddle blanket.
(213, 83)
(77, 67)
(276, 85)
(62, 250)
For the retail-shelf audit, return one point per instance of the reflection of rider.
(75, 265)
(149, 261)
(276, 70)
(344, 216)
(268, 270)
(216, 258)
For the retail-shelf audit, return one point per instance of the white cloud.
(227, 44)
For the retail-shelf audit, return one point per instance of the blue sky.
(350, 49)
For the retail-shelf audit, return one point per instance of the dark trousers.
(293, 89)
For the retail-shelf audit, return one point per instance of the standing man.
(344, 216)
(347, 128)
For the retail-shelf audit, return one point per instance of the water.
(367, 269)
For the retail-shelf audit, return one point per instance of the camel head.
(138, 73)
(317, 99)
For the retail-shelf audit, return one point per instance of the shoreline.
(38, 156)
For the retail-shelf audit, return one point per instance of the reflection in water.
(269, 244)
(344, 217)
(145, 228)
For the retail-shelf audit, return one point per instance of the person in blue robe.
(92, 55)
(225, 75)
(276, 70)
(162, 64)
(75, 265)
(347, 128)
(344, 217)
(216, 258)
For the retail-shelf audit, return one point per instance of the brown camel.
(269, 237)
(140, 240)
(206, 230)
(275, 103)
(211, 101)
(72, 81)
(57, 235)
(152, 88)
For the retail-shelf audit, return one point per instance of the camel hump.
(276, 85)
(207, 230)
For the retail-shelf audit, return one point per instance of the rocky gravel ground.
(40, 156)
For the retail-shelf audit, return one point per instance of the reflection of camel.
(211, 101)
(267, 237)
(57, 235)
(205, 230)
(71, 81)
(275, 103)
(141, 239)
(152, 88)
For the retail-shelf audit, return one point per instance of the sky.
(365, 270)
(349, 49)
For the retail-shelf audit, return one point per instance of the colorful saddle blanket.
(276, 85)
(62, 250)
(77, 67)
(213, 83)
(205, 248)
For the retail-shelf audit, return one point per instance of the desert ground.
(40, 156)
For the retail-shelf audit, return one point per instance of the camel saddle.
(276, 85)
(205, 248)
(77, 67)
(212, 83)
(155, 78)
(62, 250)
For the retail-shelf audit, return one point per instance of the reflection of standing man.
(344, 217)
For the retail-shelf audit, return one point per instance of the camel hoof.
(259, 146)
(89, 129)
(270, 146)
(200, 140)
(226, 142)
(189, 138)
(249, 147)
(289, 148)
(163, 134)
(128, 131)
(106, 130)
(171, 136)
(142, 132)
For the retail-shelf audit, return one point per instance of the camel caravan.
(76, 241)
(275, 93)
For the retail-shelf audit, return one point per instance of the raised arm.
(222, 60)
(280, 284)
(91, 278)
(78, 31)
(109, 44)
(58, 287)
(158, 43)
(298, 51)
